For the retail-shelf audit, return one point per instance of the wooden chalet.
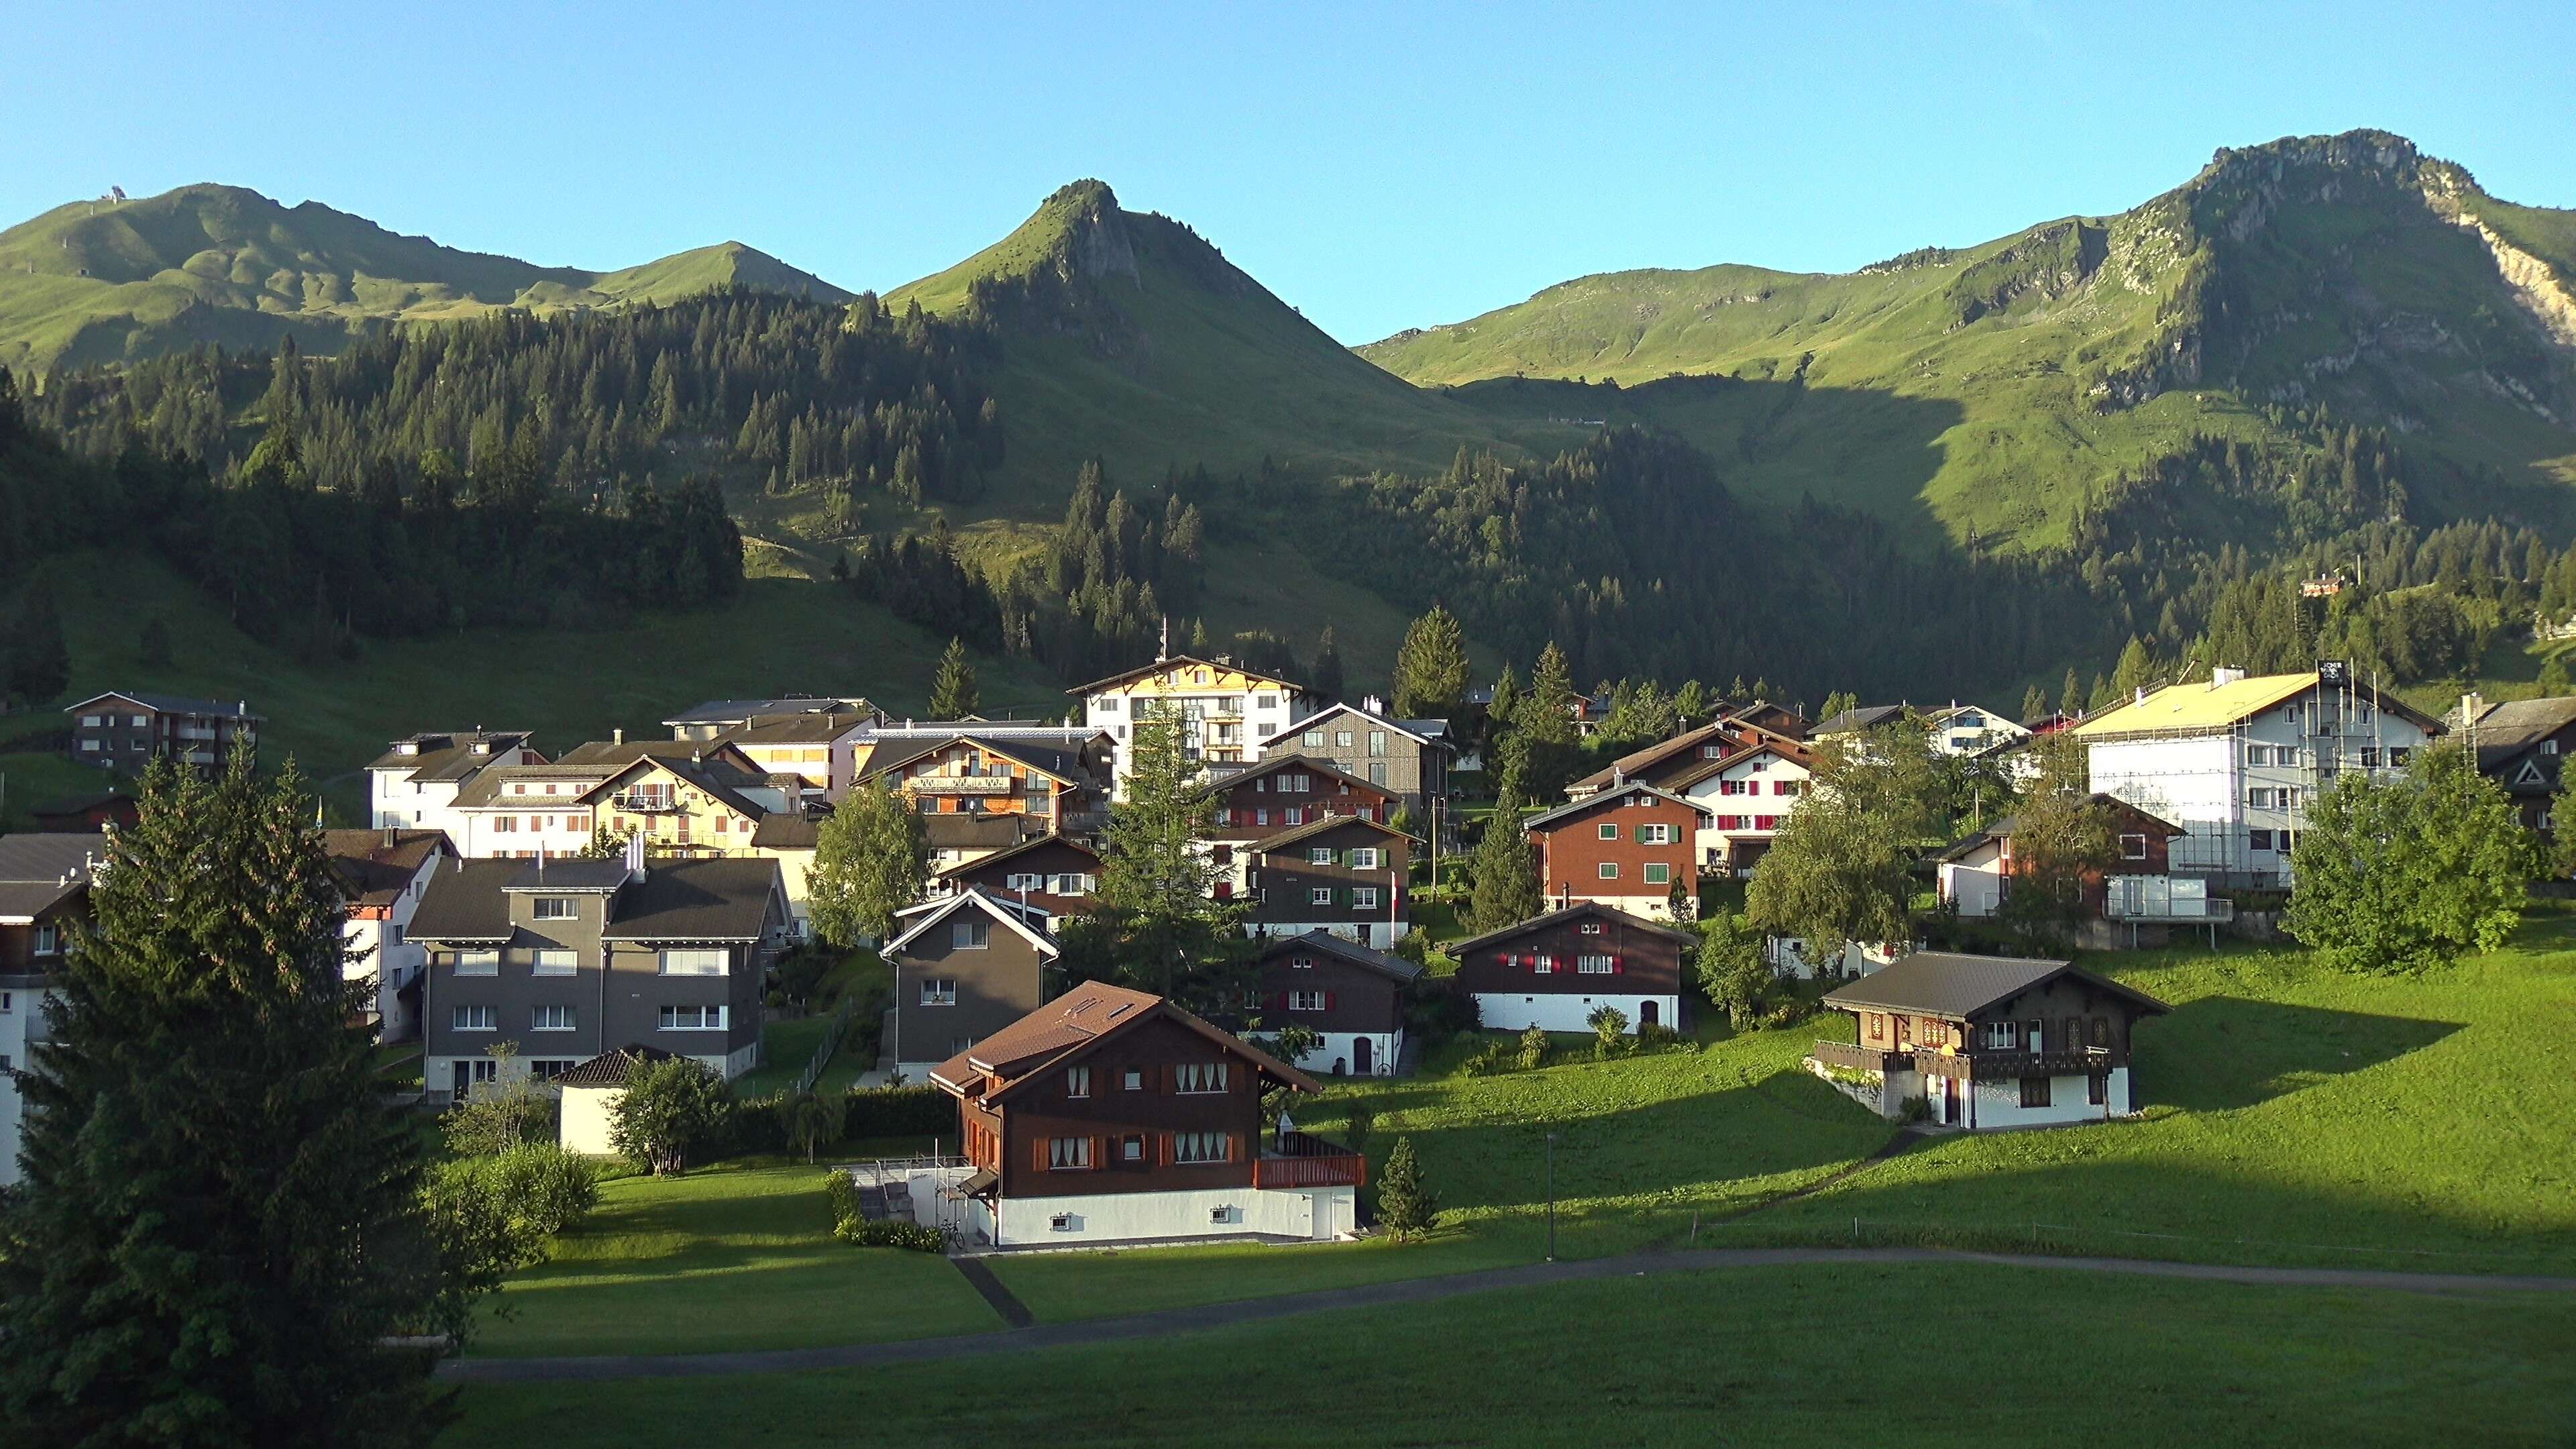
(1553, 971)
(1054, 873)
(1351, 996)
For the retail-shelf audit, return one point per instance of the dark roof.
(1065, 765)
(1313, 828)
(1326, 943)
(1579, 908)
(611, 1069)
(82, 805)
(724, 711)
(785, 831)
(978, 831)
(447, 754)
(173, 704)
(1227, 780)
(1428, 731)
(464, 902)
(486, 788)
(1850, 721)
(1092, 1012)
(696, 900)
(1607, 796)
(40, 871)
(807, 729)
(1945, 983)
(568, 874)
(378, 865)
(2506, 731)
(2003, 826)
(1023, 848)
(1638, 761)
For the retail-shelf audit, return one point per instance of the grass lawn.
(2296, 1114)
(1643, 1144)
(736, 1256)
(1934, 1355)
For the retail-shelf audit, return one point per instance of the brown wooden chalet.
(1553, 971)
(1349, 995)
(1286, 791)
(1677, 762)
(1988, 1041)
(1341, 873)
(1108, 1091)
(1632, 847)
(2522, 744)
(1053, 873)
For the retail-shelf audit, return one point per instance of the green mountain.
(2010, 389)
(108, 280)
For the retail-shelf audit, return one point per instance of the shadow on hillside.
(2221, 1052)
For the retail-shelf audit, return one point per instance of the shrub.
(1657, 1035)
(842, 1191)
(813, 1118)
(1363, 1121)
(1533, 1049)
(1434, 1012)
(1484, 1061)
(670, 1111)
(1609, 1030)
(891, 1233)
(501, 1114)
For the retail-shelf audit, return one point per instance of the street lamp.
(1551, 1197)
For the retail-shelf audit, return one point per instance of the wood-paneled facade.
(1554, 970)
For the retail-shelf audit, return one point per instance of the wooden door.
(1360, 1050)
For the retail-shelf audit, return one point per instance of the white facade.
(1983, 1106)
(587, 1114)
(2241, 792)
(1319, 1214)
(1747, 802)
(1974, 883)
(389, 955)
(1229, 712)
(549, 816)
(1338, 1053)
(1788, 956)
(1519, 1011)
(22, 1021)
(1967, 729)
(395, 799)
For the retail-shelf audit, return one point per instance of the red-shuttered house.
(1279, 794)
(1110, 1115)
(1351, 997)
(1554, 971)
(1631, 846)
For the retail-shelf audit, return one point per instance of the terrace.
(1298, 1160)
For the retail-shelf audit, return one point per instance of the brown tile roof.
(1945, 983)
(1088, 1014)
(1579, 908)
(999, 856)
(378, 865)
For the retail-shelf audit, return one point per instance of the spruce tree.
(1405, 1206)
(1431, 667)
(1158, 927)
(2070, 700)
(954, 694)
(1504, 870)
(1327, 683)
(1547, 715)
(219, 1221)
(2034, 703)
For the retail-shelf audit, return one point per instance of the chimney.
(389, 837)
(2225, 675)
(1373, 704)
(2472, 705)
(617, 736)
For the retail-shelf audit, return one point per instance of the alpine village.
(1053, 854)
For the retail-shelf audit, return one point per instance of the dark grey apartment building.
(122, 731)
(566, 959)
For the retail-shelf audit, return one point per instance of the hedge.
(757, 1125)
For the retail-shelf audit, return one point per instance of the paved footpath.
(1425, 1290)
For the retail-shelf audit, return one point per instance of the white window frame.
(479, 961)
(1659, 873)
(555, 908)
(1609, 870)
(1607, 830)
(553, 1018)
(1305, 1001)
(1365, 857)
(1319, 855)
(689, 961)
(1595, 963)
(472, 1018)
(705, 1018)
(553, 961)
(1319, 895)
(1364, 898)
(939, 991)
(970, 935)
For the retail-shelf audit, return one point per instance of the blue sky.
(1380, 166)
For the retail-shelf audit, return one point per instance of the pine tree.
(2034, 703)
(1431, 667)
(1158, 928)
(218, 1220)
(1547, 716)
(871, 859)
(1405, 1206)
(954, 694)
(2135, 670)
(1504, 871)
(1327, 683)
(2070, 700)
(1507, 694)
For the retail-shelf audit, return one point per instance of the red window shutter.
(1039, 1159)
(1329, 998)
(1171, 1080)
(1618, 964)
(1099, 1153)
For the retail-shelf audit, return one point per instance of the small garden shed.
(591, 1092)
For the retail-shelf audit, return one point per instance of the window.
(694, 962)
(548, 1070)
(1131, 1149)
(550, 1018)
(1377, 772)
(1301, 963)
(2549, 747)
(1202, 1147)
(693, 1018)
(1133, 1079)
(89, 721)
(1319, 855)
(1341, 739)
(1595, 964)
(505, 824)
(1609, 870)
(1658, 873)
(2259, 839)
(2370, 754)
(1609, 830)
(1364, 898)
(2133, 847)
(49, 939)
(1876, 1025)
(2397, 756)
(1731, 787)
(1068, 1154)
(1077, 1081)
(552, 961)
(1108, 705)
(1377, 742)
(8, 1002)
(1305, 1001)
(2003, 1036)
(1023, 881)
(937, 991)
(2034, 1091)
(1654, 835)
(2097, 1089)
(1712, 752)
(89, 744)
(470, 1018)
(1319, 895)
(1784, 787)
(477, 963)
(1590, 928)
(1366, 858)
(1766, 822)
(969, 935)
(2258, 754)
(1314, 739)
(1198, 1077)
(1261, 816)
(1230, 704)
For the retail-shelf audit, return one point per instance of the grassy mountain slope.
(1129, 337)
(101, 281)
(1997, 388)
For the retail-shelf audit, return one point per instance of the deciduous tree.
(1841, 868)
(669, 1111)
(871, 859)
(2409, 873)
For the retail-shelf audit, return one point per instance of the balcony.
(2010, 1065)
(1301, 1160)
(644, 804)
(1862, 1058)
(2211, 910)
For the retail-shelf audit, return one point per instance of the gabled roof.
(1639, 761)
(566, 873)
(1313, 828)
(922, 917)
(1183, 661)
(1424, 731)
(980, 830)
(796, 729)
(2508, 732)
(1788, 750)
(725, 711)
(1320, 942)
(697, 900)
(39, 872)
(1945, 983)
(2207, 706)
(1604, 797)
(1008, 853)
(447, 754)
(377, 866)
(1088, 1015)
(487, 790)
(1270, 764)
(464, 902)
(611, 1069)
(2003, 826)
(1852, 721)
(1579, 908)
(173, 704)
(786, 831)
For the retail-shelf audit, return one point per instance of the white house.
(413, 784)
(1229, 709)
(383, 873)
(1749, 795)
(2236, 760)
(44, 892)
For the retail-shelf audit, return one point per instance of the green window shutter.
(1641, 835)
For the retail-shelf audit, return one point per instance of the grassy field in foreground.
(1931, 1355)
(737, 1256)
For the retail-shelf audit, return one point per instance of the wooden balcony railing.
(2001, 1065)
(1862, 1058)
(1303, 1161)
